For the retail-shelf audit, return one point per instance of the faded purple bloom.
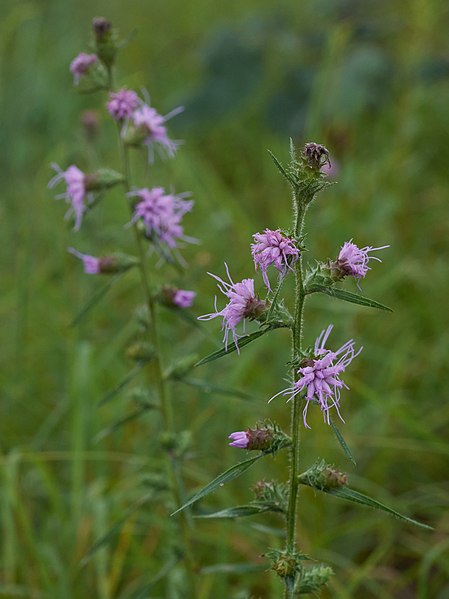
(273, 248)
(353, 261)
(90, 263)
(81, 64)
(242, 304)
(240, 439)
(75, 194)
(122, 104)
(320, 376)
(162, 214)
(151, 123)
(183, 298)
(331, 170)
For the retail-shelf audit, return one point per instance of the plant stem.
(299, 210)
(173, 466)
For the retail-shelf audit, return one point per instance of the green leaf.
(240, 511)
(115, 529)
(234, 568)
(220, 480)
(93, 301)
(121, 422)
(356, 497)
(142, 592)
(342, 442)
(219, 389)
(116, 390)
(245, 340)
(280, 168)
(348, 296)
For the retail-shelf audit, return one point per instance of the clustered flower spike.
(242, 304)
(81, 64)
(152, 125)
(353, 261)
(76, 193)
(320, 376)
(161, 214)
(122, 104)
(272, 248)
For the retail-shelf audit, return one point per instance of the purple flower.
(147, 120)
(162, 214)
(81, 64)
(90, 263)
(122, 104)
(353, 261)
(240, 439)
(75, 194)
(273, 248)
(320, 376)
(242, 304)
(183, 298)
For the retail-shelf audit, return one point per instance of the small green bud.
(140, 351)
(323, 476)
(102, 179)
(312, 580)
(105, 40)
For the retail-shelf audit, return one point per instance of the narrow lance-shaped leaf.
(239, 511)
(94, 300)
(348, 296)
(219, 389)
(234, 568)
(356, 497)
(232, 347)
(116, 390)
(220, 480)
(342, 442)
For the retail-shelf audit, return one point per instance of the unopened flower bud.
(90, 120)
(140, 351)
(316, 156)
(105, 40)
(312, 579)
(286, 564)
(261, 438)
(177, 298)
(102, 179)
(111, 264)
(323, 476)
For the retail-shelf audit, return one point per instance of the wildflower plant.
(156, 218)
(318, 373)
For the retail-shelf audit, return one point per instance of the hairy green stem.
(299, 212)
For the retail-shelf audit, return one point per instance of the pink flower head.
(90, 263)
(242, 304)
(183, 298)
(148, 120)
(81, 64)
(240, 439)
(162, 213)
(75, 194)
(273, 248)
(122, 104)
(320, 376)
(353, 261)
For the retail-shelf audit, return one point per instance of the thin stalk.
(299, 210)
(158, 372)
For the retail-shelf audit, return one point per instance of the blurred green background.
(368, 79)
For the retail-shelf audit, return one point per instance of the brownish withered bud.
(316, 155)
